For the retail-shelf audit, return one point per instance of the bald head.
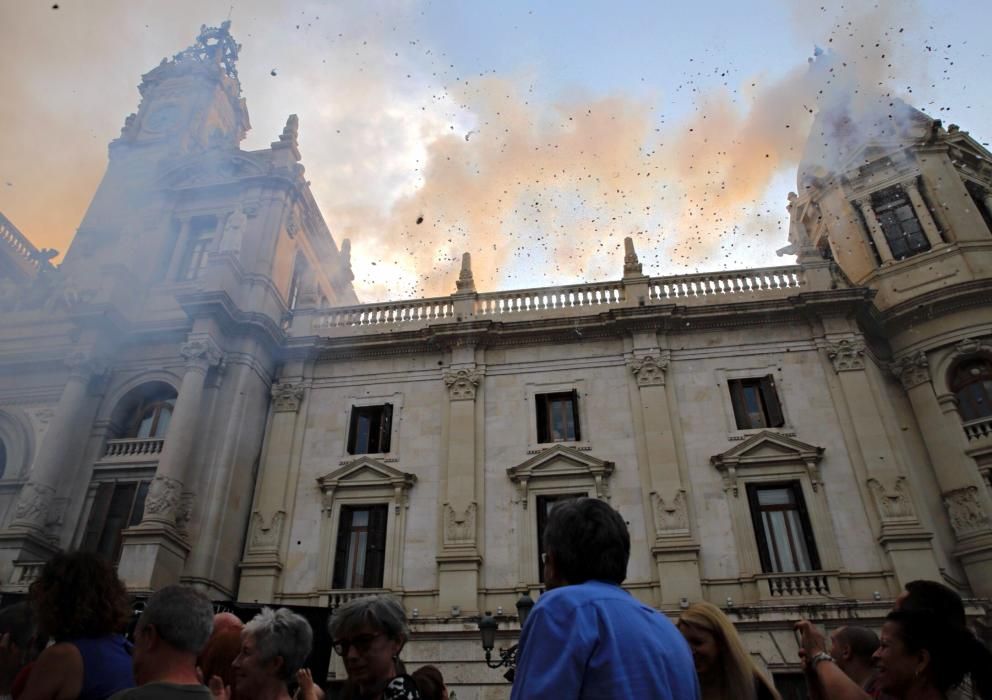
(227, 621)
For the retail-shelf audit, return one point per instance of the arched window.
(971, 382)
(145, 412)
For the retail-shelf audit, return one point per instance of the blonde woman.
(725, 669)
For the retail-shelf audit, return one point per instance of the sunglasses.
(361, 643)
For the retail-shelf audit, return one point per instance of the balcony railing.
(733, 282)
(978, 428)
(131, 448)
(566, 300)
(337, 598)
(797, 584)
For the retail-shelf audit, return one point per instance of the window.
(153, 421)
(201, 236)
(370, 429)
(3, 458)
(782, 529)
(756, 403)
(544, 506)
(116, 506)
(299, 269)
(971, 383)
(558, 417)
(360, 556)
(898, 220)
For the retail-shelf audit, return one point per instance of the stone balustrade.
(978, 428)
(797, 584)
(131, 448)
(714, 286)
(548, 302)
(16, 240)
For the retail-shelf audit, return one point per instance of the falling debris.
(420, 220)
(272, 72)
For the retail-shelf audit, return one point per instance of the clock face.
(162, 118)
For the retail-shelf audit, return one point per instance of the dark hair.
(863, 641)
(954, 650)
(18, 621)
(429, 682)
(935, 597)
(588, 540)
(78, 594)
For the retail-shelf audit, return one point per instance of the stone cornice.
(935, 304)
(232, 320)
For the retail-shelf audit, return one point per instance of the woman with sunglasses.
(369, 633)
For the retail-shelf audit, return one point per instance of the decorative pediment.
(561, 462)
(366, 474)
(212, 168)
(767, 449)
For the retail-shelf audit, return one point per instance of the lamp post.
(488, 627)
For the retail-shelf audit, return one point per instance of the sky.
(534, 135)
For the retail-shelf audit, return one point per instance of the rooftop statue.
(213, 44)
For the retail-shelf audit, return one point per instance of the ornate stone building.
(197, 393)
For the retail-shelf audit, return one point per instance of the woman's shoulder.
(401, 688)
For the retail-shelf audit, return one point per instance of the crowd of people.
(585, 638)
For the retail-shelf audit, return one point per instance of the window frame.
(200, 243)
(889, 204)
(95, 533)
(544, 416)
(969, 405)
(766, 549)
(771, 413)
(375, 544)
(383, 433)
(541, 501)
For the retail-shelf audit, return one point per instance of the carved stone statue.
(965, 511)
(631, 265)
(33, 504)
(266, 536)
(163, 498)
(466, 283)
(671, 516)
(462, 383)
(234, 229)
(459, 528)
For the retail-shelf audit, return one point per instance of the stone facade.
(204, 279)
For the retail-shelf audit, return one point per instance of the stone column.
(675, 551)
(154, 552)
(262, 563)
(875, 230)
(881, 477)
(26, 538)
(459, 558)
(965, 497)
(923, 214)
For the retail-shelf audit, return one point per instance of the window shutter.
(740, 414)
(98, 516)
(759, 528)
(575, 414)
(375, 555)
(814, 555)
(352, 430)
(772, 406)
(341, 551)
(385, 427)
(541, 405)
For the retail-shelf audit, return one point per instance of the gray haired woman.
(369, 633)
(274, 646)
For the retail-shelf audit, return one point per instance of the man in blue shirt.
(588, 638)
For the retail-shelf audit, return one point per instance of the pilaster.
(459, 558)
(965, 499)
(880, 473)
(675, 551)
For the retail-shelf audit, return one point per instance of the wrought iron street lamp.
(488, 627)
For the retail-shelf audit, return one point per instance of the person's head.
(717, 650)
(852, 648)
(584, 540)
(430, 683)
(274, 645)
(222, 649)
(171, 632)
(224, 621)
(921, 649)
(18, 623)
(933, 596)
(369, 634)
(78, 594)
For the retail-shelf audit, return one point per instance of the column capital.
(201, 351)
(82, 364)
(965, 510)
(912, 370)
(649, 370)
(287, 396)
(462, 383)
(847, 354)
